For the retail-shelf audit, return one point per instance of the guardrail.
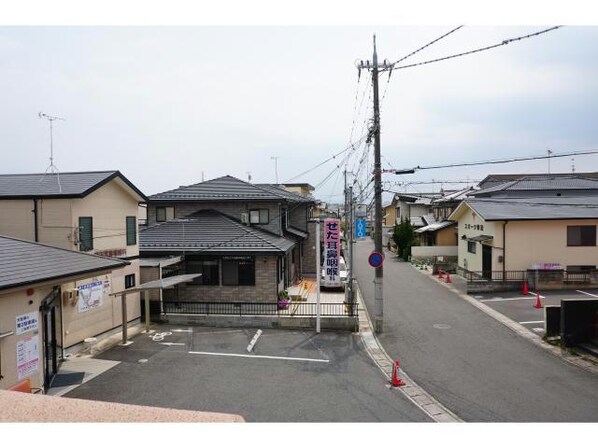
(299, 309)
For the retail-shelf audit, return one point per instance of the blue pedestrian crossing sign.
(360, 228)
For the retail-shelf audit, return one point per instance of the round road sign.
(375, 259)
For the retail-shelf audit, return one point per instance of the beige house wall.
(531, 242)
(446, 237)
(17, 219)
(390, 213)
(13, 304)
(471, 225)
(55, 223)
(109, 206)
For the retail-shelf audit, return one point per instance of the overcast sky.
(168, 105)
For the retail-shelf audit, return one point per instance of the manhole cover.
(442, 326)
(142, 361)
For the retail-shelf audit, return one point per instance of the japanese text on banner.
(332, 246)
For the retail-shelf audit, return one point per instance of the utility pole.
(275, 158)
(375, 132)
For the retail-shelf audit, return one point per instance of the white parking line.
(259, 356)
(499, 299)
(532, 322)
(583, 292)
(254, 340)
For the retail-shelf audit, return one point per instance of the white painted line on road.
(172, 343)
(178, 330)
(507, 300)
(259, 356)
(538, 330)
(583, 292)
(532, 322)
(254, 340)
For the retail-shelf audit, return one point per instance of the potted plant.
(283, 300)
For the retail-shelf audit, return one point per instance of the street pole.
(318, 274)
(351, 250)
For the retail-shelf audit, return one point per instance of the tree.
(404, 237)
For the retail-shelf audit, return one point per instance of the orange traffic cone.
(448, 277)
(538, 301)
(440, 273)
(396, 381)
(525, 291)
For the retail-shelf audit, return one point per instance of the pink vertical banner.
(332, 249)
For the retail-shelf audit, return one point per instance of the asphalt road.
(475, 366)
(289, 376)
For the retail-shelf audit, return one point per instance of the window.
(131, 230)
(129, 281)
(85, 233)
(471, 247)
(207, 267)
(260, 216)
(164, 214)
(581, 235)
(238, 271)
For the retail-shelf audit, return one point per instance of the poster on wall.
(332, 247)
(27, 322)
(27, 356)
(90, 295)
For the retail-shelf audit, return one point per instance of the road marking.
(172, 343)
(538, 330)
(254, 340)
(178, 330)
(532, 322)
(259, 356)
(583, 292)
(507, 300)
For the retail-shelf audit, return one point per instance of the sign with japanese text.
(27, 322)
(332, 249)
(90, 295)
(27, 356)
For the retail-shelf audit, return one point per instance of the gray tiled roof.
(15, 186)
(23, 263)
(211, 232)
(228, 188)
(535, 208)
(492, 180)
(542, 183)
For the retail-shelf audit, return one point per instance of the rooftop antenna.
(549, 154)
(572, 164)
(53, 169)
(275, 158)
(248, 176)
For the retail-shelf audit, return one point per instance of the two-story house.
(91, 212)
(249, 241)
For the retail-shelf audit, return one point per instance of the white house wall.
(472, 225)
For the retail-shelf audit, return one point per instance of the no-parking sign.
(376, 259)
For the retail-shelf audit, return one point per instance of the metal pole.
(124, 311)
(378, 280)
(318, 274)
(351, 249)
(144, 295)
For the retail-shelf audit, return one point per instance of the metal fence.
(299, 309)
(519, 276)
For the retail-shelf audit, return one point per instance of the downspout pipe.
(504, 250)
(35, 225)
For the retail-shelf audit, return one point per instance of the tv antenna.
(53, 169)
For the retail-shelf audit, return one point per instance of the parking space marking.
(532, 322)
(587, 293)
(507, 300)
(254, 340)
(237, 355)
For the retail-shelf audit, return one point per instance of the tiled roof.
(23, 263)
(211, 232)
(17, 186)
(228, 188)
(435, 226)
(493, 180)
(534, 208)
(542, 183)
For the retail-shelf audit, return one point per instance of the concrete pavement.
(475, 366)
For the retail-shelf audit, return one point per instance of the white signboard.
(27, 322)
(27, 356)
(90, 295)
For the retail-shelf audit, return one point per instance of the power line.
(504, 42)
(427, 45)
(517, 159)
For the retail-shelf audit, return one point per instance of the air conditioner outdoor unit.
(245, 218)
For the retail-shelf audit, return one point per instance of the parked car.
(341, 282)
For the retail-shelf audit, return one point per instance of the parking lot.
(265, 376)
(520, 308)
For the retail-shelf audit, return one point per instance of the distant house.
(40, 313)
(508, 234)
(89, 212)
(526, 185)
(250, 241)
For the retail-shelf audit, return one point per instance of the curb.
(429, 405)
(519, 329)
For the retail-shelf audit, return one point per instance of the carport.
(165, 283)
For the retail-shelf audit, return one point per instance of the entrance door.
(48, 309)
(487, 262)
